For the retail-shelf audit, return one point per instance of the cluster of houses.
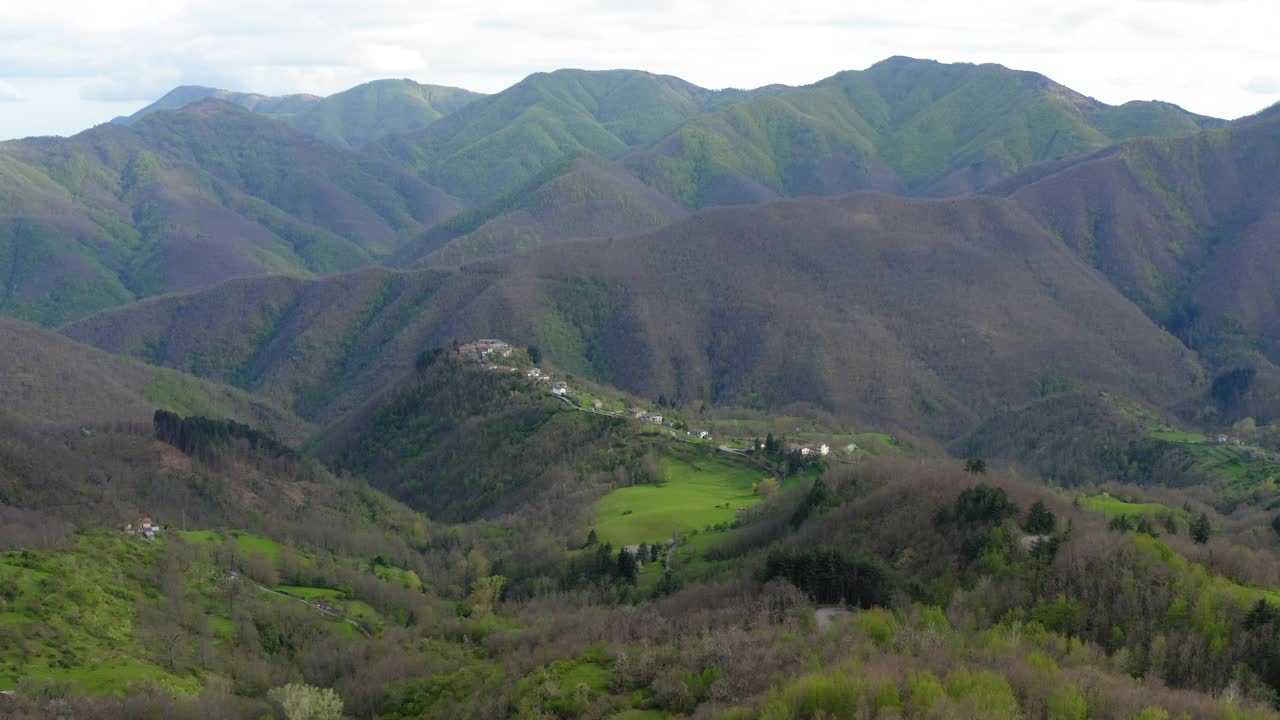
(485, 350)
(1255, 453)
(489, 352)
(143, 527)
(821, 449)
(806, 450)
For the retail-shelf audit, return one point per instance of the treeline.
(830, 575)
(197, 435)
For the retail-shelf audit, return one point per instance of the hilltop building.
(485, 350)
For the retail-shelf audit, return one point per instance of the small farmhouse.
(143, 527)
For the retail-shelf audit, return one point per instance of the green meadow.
(1111, 505)
(699, 489)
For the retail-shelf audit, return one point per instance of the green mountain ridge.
(581, 196)
(187, 199)
(902, 125)
(348, 119)
(491, 146)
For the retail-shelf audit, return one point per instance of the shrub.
(1066, 702)
(304, 702)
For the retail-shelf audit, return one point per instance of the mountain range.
(920, 391)
(927, 315)
(659, 142)
(348, 119)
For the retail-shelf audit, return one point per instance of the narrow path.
(671, 552)
(753, 460)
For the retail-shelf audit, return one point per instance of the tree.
(1123, 523)
(1170, 525)
(1262, 613)
(1146, 526)
(1040, 519)
(654, 550)
(1229, 387)
(975, 466)
(1275, 524)
(1201, 529)
(426, 358)
(486, 593)
(982, 505)
(628, 569)
(766, 487)
(592, 538)
(535, 354)
(817, 501)
(305, 702)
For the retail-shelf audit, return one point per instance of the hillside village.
(500, 356)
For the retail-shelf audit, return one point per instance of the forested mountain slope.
(902, 125)
(1183, 227)
(187, 199)
(580, 196)
(50, 381)
(923, 314)
(493, 145)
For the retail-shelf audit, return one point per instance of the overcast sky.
(66, 65)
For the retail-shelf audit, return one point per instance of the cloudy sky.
(66, 65)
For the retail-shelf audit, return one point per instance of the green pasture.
(698, 489)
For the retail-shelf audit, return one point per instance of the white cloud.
(1202, 54)
(9, 93)
(1264, 84)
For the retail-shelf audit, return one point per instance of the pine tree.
(627, 568)
(1201, 529)
(1123, 523)
(1040, 519)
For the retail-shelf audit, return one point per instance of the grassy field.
(310, 593)
(68, 615)
(699, 489)
(246, 542)
(1111, 505)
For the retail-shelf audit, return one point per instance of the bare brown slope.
(48, 380)
(926, 315)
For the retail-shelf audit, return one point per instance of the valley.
(927, 390)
